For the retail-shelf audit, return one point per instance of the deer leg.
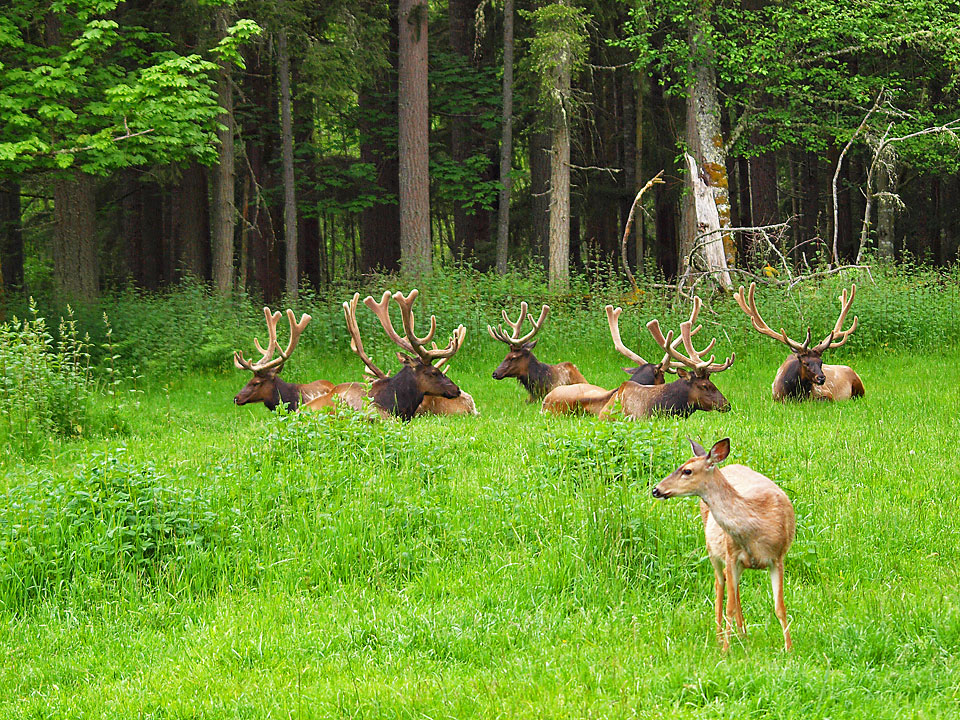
(728, 618)
(718, 587)
(736, 570)
(776, 581)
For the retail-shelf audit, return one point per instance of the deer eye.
(687, 471)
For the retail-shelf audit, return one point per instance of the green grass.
(511, 565)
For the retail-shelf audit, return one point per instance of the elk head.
(644, 373)
(264, 385)
(693, 371)
(517, 362)
(689, 478)
(809, 359)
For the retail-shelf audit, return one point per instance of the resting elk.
(266, 386)
(694, 390)
(748, 523)
(803, 375)
(537, 377)
(399, 395)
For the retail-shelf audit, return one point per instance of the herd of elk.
(693, 390)
(537, 377)
(748, 523)
(803, 375)
(266, 386)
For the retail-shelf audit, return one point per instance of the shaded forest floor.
(510, 565)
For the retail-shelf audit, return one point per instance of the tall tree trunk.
(506, 141)
(810, 205)
(11, 238)
(223, 207)
(415, 247)
(75, 268)
(764, 195)
(706, 142)
(559, 269)
(193, 223)
(538, 151)
(289, 192)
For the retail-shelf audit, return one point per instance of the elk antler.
(749, 306)
(356, 344)
(613, 320)
(514, 339)
(458, 337)
(267, 361)
(838, 337)
(693, 357)
(406, 317)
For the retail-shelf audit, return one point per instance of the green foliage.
(46, 384)
(558, 51)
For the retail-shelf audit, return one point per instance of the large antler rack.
(267, 360)
(410, 342)
(613, 320)
(837, 336)
(356, 343)
(694, 358)
(749, 306)
(514, 340)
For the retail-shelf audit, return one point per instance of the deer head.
(517, 362)
(810, 359)
(262, 387)
(689, 478)
(691, 368)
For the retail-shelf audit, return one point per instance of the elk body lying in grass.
(694, 390)
(803, 376)
(537, 377)
(401, 395)
(266, 386)
(749, 524)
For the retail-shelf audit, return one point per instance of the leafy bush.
(46, 384)
(109, 519)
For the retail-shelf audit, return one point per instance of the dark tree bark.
(224, 177)
(11, 237)
(191, 224)
(75, 266)
(415, 248)
(291, 273)
(810, 228)
(539, 159)
(665, 209)
(764, 193)
(506, 141)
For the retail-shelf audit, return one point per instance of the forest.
(368, 359)
(264, 146)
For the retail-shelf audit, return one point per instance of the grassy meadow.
(179, 557)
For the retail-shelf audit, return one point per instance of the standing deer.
(803, 375)
(402, 394)
(748, 522)
(644, 373)
(694, 390)
(537, 377)
(266, 386)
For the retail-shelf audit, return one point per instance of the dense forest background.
(262, 146)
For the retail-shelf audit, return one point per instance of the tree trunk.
(193, 231)
(75, 268)
(289, 192)
(809, 205)
(415, 247)
(539, 158)
(506, 142)
(886, 213)
(708, 221)
(559, 269)
(11, 238)
(224, 211)
(705, 139)
(764, 196)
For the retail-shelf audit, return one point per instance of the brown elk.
(748, 521)
(803, 375)
(644, 373)
(694, 390)
(537, 377)
(402, 394)
(266, 386)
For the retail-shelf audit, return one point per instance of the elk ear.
(682, 374)
(530, 345)
(406, 360)
(630, 371)
(719, 452)
(697, 448)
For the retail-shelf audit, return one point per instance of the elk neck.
(286, 393)
(673, 398)
(737, 515)
(398, 394)
(790, 381)
(537, 379)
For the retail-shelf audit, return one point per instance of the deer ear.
(697, 448)
(719, 452)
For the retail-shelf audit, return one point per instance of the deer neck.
(285, 393)
(733, 512)
(537, 379)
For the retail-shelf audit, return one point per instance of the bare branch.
(655, 180)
